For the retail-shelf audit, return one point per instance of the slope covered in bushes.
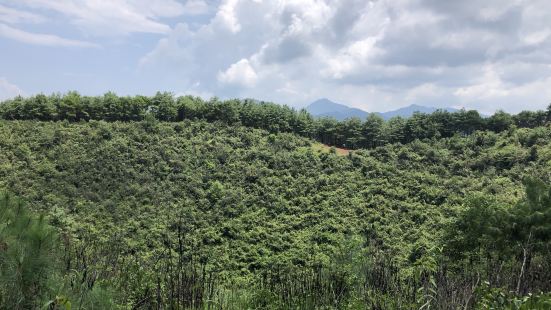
(193, 212)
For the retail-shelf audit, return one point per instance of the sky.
(375, 55)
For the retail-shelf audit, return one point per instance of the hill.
(242, 203)
(328, 108)
(174, 202)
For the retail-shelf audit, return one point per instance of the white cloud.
(13, 16)
(195, 7)
(226, 16)
(537, 37)
(8, 90)
(423, 92)
(40, 39)
(352, 58)
(372, 54)
(376, 55)
(491, 88)
(240, 73)
(172, 48)
(195, 90)
(111, 18)
(487, 86)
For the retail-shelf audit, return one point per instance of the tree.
(372, 130)
(530, 224)
(394, 130)
(136, 107)
(481, 227)
(446, 123)
(352, 131)
(517, 232)
(30, 265)
(327, 130)
(530, 119)
(165, 106)
(500, 121)
(303, 124)
(69, 107)
(190, 107)
(39, 107)
(421, 126)
(27, 246)
(470, 121)
(110, 107)
(227, 111)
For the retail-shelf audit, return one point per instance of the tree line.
(352, 133)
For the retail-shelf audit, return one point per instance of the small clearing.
(324, 148)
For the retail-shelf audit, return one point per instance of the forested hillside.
(178, 203)
(351, 133)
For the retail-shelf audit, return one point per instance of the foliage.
(30, 271)
(351, 133)
(496, 298)
(222, 204)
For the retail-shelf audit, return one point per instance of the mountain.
(409, 110)
(328, 108)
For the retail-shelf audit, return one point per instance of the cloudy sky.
(376, 55)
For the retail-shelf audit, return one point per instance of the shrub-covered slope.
(240, 202)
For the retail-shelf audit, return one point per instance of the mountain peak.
(324, 107)
(325, 103)
(322, 100)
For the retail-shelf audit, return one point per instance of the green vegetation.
(31, 272)
(323, 148)
(170, 210)
(352, 133)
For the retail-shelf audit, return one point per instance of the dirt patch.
(324, 148)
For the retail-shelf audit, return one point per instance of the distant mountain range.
(328, 108)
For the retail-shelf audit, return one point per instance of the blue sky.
(375, 55)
